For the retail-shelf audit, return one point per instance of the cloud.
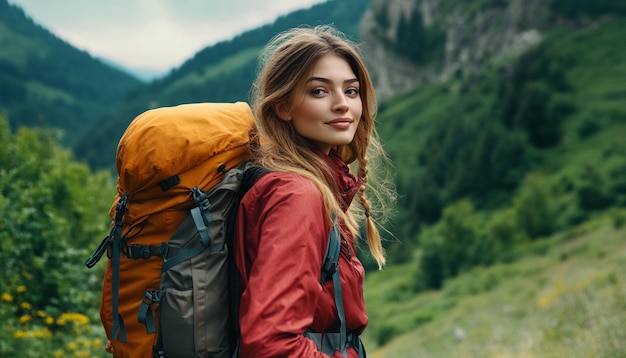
(155, 34)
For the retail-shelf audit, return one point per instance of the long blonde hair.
(285, 61)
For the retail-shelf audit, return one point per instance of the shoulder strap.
(330, 265)
(117, 245)
(251, 173)
(329, 342)
(331, 268)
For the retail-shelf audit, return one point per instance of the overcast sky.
(153, 34)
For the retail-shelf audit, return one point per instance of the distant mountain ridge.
(143, 74)
(44, 81)
(223, 72)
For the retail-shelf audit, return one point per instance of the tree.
(417, 42)
(530, 96)
(459, 236)
(453, 245)
(533, 208)
(466, 156)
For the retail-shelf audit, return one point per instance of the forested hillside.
(44, 81)
(512, 181)
(480, 137)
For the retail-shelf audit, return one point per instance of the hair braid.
(373, 236)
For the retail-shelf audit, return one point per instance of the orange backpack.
(170, 162)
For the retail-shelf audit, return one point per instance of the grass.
(566, 302)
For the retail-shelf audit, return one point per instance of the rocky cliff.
(447, 37)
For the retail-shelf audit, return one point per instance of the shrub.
(54, 213)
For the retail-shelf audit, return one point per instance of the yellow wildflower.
(20, 334)
(25, 318)
(6, 297)
(41, 313)
(26, 305)
(59, 354)
(96, 343)
(49, 320)
(39, 333)
(71, 346)
(81, 354)
(78, 318)
(21, 288)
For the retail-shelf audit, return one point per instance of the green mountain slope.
(476, 137)
(564, 298)
(220, 73)
(44, 81)
(524, 268)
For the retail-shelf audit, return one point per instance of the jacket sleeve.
(283, 272)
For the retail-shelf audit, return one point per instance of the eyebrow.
(326, 80)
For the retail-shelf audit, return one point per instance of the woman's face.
(327, 107)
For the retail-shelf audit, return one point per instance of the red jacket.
(281, 237)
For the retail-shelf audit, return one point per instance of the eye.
(353, 91)
(318, 91)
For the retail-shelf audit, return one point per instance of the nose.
(341, 103)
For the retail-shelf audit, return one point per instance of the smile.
(340, 120)
(340, 123)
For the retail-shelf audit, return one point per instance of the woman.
(315, 107)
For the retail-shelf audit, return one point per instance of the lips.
(340, 121)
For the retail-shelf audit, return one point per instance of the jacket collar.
(347, 183)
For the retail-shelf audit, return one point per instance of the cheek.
(359, 112)
(358, 107)
(310, 111)
(359, 116)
